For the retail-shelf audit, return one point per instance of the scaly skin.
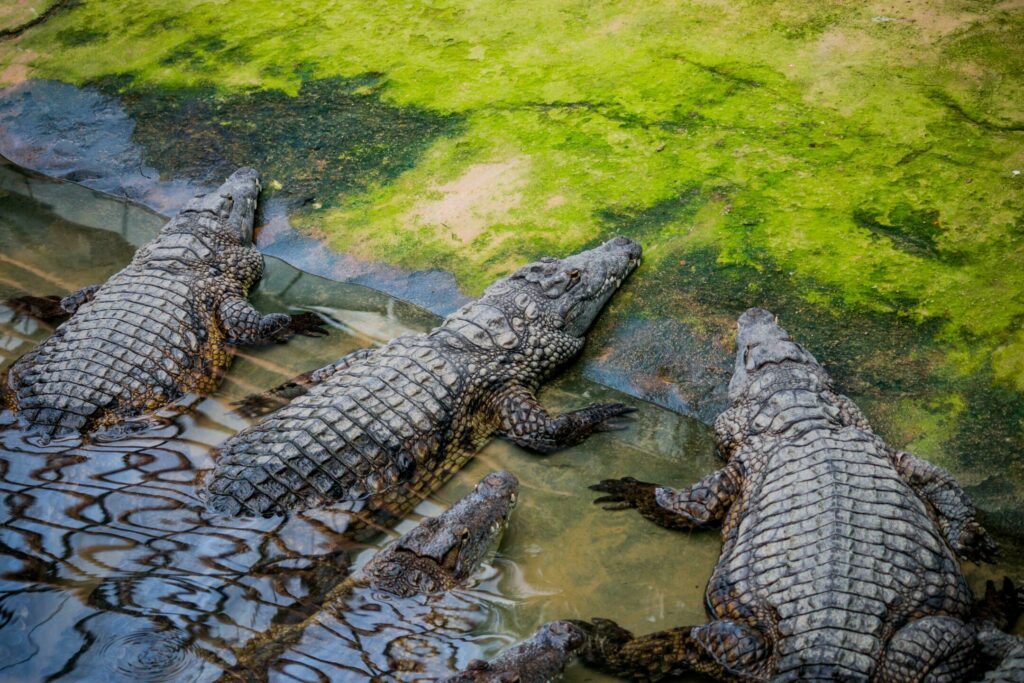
(388, 426)
(538, 659)
(839, 556)
(160, 328)
(440, 554)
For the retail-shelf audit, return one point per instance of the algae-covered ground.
(856, 167)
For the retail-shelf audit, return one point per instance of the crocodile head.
(540, 658)
(231, 208)
(573, 290)
(762, 347)
(444, 551)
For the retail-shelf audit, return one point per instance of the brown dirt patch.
(481, 196)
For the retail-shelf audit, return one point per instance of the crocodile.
(385, 427)
(540, 658)
(160, 328)
(378, 620)
(839, 558)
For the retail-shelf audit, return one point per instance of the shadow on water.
(111, 569)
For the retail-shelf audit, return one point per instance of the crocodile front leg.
(726, 650)
(700, 505)
(266, 402)
(243, 324)
(952, 506)
(526, 423)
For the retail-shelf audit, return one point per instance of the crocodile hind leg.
(266, 402)
(951, 505)
(726, 650)
(934, 649)
(700, 505)
(526, 423)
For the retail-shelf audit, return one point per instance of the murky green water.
(110, 569)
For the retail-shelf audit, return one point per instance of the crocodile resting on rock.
(839, 555)
(383, 619)
(158, 329)
(387, 426)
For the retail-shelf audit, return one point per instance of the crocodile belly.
(132, 349)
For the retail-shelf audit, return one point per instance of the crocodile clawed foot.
(307, 324)
(622, 493)
(974, 543)
(604, 639)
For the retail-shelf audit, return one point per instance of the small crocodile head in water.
(443, 551)
(231, 208)
(573, 290)
(542, 657)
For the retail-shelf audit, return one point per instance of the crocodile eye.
(574, 279)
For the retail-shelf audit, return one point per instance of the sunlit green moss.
(858, 166)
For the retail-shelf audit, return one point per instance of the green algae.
(334, 137)
(852, 167)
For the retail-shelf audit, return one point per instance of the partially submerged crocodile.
(389, 425)
(839, 557)
(538, 659)
(376, 621)
(158, 329)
